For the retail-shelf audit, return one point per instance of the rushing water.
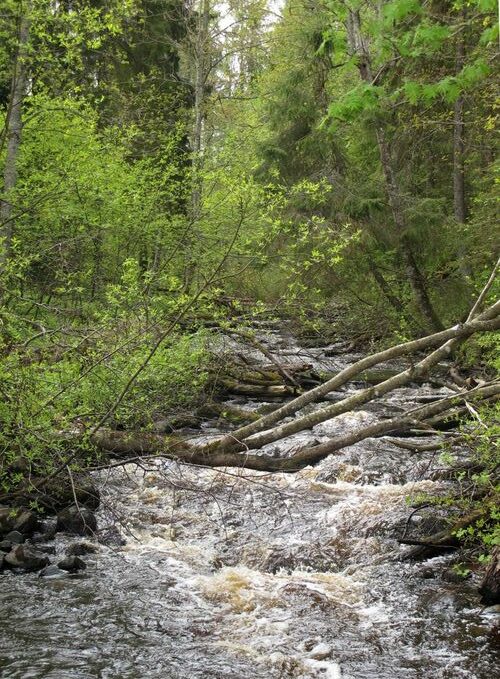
(239, 574)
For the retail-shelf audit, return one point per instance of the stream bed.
(241, 574)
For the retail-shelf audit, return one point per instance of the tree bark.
(14, 125)
(200, 63)
(359, 49)
(396, 303)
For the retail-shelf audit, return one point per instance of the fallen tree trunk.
(247, 389)
(127, 443)
(283, 370)
(248, 437)
(488, 320)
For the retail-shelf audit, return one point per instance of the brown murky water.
(245, 575)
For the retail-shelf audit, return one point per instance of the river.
(243, 575)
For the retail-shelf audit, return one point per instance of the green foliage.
(43, 399)
(397, 10)
(477, 486)
(363, 99)
(481, 487)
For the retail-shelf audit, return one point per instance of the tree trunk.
(459, 195)
(200, 76)
(458, 162)
(200, 64)
(396, 303)
(14, 126)
(458, 140)
(129, 444)
(414, 276)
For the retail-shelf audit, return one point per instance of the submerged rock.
(76, 520)
(72, 564)
(46, 549)
(81, 548)
(320, 651)
(491, 610)
(24, 558)
(52, 571)
(112, 538)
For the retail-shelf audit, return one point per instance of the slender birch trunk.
(200, 76)
(459, 204)
(14, 126)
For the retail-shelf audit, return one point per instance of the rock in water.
(11, 539)
(81, 548)
(20, 520)
(490, 586)
(112, 537)
(14, 537)
(72, 564)
(46, 549)
(52, 572)
(5, 546)
(320, 651)
(76, 520)
(26, 559)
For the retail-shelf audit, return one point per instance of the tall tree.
(13, 130)
(358, 48)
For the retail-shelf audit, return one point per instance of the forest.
(249, 307)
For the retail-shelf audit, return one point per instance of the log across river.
(231, 573)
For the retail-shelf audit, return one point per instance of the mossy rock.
(57, 493)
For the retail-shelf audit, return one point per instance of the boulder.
(76, 520)
(112, 537)
(52, 571)
(490, 586)
(15, 537)
(11, 539)
(81, 548)
(57, 493)
(17, 519)
(47, 531)
(72, 564)
(25, 558)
